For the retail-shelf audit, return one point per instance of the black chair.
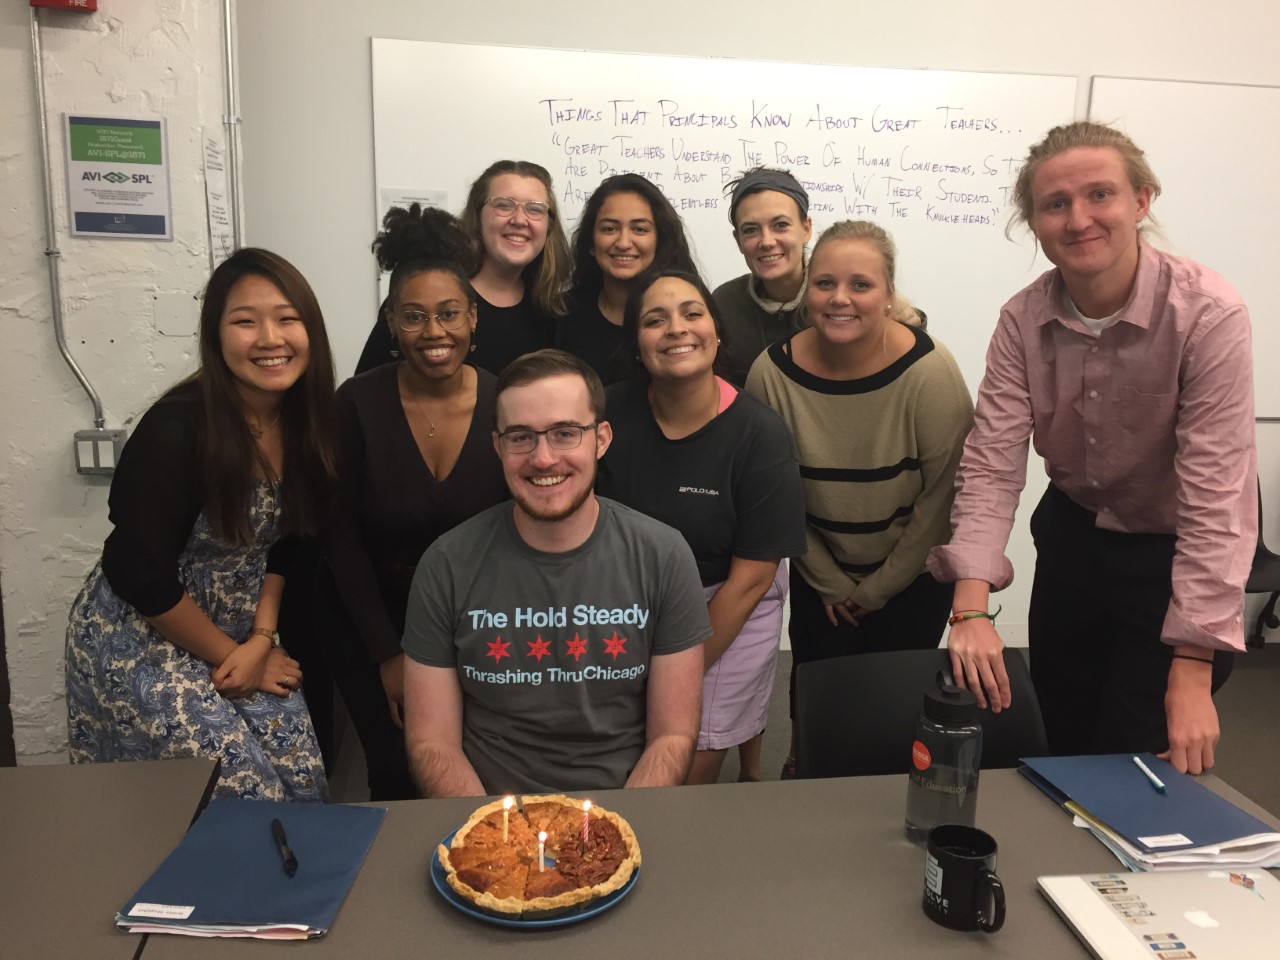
(1264, 577)
(855, 716)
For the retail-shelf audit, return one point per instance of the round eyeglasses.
(506, 206)
(563, 436)
(411, 321)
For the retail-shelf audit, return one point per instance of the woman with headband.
(879, 412)
(628, 225)
(769, 210)
(518, 264)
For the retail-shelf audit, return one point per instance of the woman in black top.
(172, 648)
(518, 264)
(417, 460)
(628, 225)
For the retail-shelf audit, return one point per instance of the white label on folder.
(1167, 840)
(165, 910)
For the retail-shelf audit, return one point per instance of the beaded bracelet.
(973, 615)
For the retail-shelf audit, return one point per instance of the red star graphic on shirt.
(575, 647)
(498, 649)
(615, 645)
(539, 648)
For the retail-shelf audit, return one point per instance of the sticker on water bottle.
(920, 756)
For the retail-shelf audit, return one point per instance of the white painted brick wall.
(143, 58)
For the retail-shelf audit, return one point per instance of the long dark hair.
(546, 274)
(635, 301)
(672, 248)
(228, 451)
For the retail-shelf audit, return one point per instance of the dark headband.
(766, 178)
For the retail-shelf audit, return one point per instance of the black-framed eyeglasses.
(563, 436)
(411, 321)
(506, 206)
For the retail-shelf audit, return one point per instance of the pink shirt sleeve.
(1216, 467)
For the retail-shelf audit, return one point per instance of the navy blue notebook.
(1112, 789)
(227, 877)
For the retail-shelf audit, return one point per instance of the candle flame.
(507, 802)
(586, 806)
(542, 836)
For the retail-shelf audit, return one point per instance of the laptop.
(1230, 914)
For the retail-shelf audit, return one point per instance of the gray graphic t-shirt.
(553, 650)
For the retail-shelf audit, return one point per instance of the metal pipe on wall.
(51, 251)
(231, 120)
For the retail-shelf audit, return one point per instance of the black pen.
(282, 844)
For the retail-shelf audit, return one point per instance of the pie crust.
(503, 878)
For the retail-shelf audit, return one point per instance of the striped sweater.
(878, 458)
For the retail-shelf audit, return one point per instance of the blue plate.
(575, 915)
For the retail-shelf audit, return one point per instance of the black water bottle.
(945, 758)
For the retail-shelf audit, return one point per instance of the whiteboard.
(930, 155)
(1213, 147)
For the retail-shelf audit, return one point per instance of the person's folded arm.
(433, 732)
(674, 710)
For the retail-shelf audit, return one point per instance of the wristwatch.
(272, 635)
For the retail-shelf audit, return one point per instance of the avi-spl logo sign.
(116, 177)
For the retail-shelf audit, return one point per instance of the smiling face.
(625, 236)
(849, 295)
(515, 240)
(1085, 213)
(435, 351)
(550, 485)
(772, 235)
(676, 336)
(264, 342)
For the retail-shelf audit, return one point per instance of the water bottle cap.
(950, 704)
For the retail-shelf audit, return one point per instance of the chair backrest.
(855, 716)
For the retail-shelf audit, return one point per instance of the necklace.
(417, 401)
(260, 432)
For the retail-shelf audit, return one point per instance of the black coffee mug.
(961, 889)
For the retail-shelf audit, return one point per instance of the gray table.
(76, 841)
(786, 869)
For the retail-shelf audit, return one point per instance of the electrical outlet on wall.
(97, 451)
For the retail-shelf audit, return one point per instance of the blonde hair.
(879, 238)
(1082, 133)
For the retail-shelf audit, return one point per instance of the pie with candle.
(502, 877)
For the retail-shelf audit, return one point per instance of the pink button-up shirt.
(1149, 424)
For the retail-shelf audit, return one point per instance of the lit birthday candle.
(506, 814)
(586, 819)
(542, 840)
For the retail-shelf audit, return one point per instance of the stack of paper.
(1187, 827)
(227, 877)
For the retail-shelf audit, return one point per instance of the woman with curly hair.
(518, 264)
(417, 459)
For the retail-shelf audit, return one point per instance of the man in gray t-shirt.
(553, 644)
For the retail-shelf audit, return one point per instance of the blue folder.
(1112, 789)
(227, 868)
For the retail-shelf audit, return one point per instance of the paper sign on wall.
(118, 178)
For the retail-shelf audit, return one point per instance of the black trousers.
(1098, 603)
(912, 620)
(360, 686)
